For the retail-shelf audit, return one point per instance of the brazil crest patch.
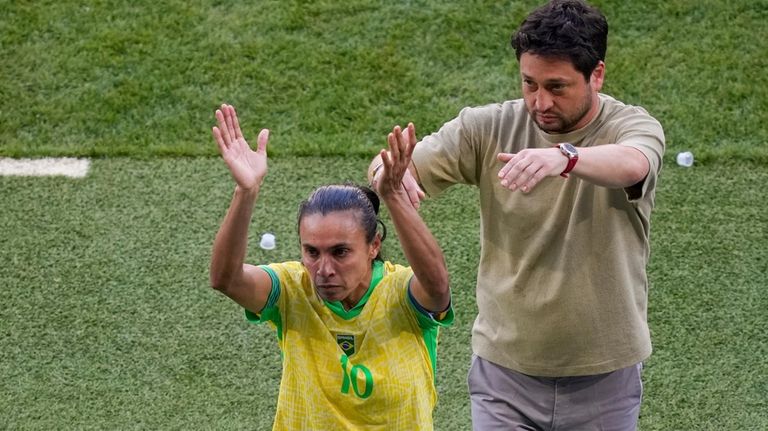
(347, 343)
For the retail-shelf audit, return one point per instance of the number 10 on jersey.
(351, 377)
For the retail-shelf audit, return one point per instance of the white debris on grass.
(46, 167)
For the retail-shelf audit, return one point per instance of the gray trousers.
(503, 399)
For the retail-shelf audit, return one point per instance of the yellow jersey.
(371, 368)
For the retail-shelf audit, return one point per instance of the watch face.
(569, 150)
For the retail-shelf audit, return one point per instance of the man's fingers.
(522, 181)
(511, 174)
(414, 197)
(420, 193)
(505, 158)
(533, 181)
(415, 194)
(523, 175)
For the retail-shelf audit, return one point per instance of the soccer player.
(358, 335)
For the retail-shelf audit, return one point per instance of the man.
(567, 180)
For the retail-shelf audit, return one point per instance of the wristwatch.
(569, 151)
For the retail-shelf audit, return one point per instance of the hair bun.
(372, 196)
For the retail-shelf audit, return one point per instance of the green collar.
(338, 309)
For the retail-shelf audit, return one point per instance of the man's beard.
(563, 124)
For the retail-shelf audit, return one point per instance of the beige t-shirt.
(561, 286)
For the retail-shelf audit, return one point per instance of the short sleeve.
(448, 156)
(270, 312)
(428, 319)
(645, 134)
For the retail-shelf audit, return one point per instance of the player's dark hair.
(565, 29)
(343, 197)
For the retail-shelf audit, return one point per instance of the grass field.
(141, 78)
(106, 318)
(108, 321)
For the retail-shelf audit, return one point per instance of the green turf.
(142, 78)
(107, 321)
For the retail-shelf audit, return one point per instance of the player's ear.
(375, 247)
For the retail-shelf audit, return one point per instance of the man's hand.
(247, 167)
(525, 169)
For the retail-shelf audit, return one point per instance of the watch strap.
(569, 166)
(572, 159)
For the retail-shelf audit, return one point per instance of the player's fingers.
(394, 140)
(386, 161)
(221, 117)
(406, 140)
(411, 142)
(262, 140)
(405, 150)
(219, 139)
(230, 121)
(398, 159)
(236, 124)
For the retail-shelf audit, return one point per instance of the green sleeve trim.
(430, 327)
(430, 340)
(270, 312)
(426, 318)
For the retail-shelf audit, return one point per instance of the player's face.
(334, 250)
(557, 96)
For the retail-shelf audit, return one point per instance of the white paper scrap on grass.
(46, 167)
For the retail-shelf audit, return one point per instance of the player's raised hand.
(247, 167)
(396, 161)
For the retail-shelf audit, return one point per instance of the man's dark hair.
(566, 29)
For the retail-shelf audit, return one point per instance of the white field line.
(46, 167)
